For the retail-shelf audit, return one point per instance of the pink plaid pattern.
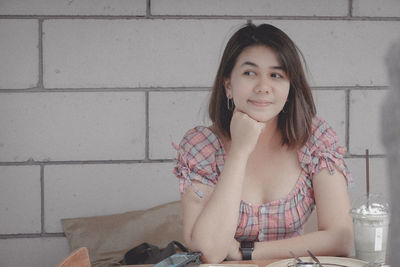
(201, 157)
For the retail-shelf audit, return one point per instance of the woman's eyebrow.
(277, 67)
(249, 63)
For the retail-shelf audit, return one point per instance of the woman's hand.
(234, 253)
(244, 132)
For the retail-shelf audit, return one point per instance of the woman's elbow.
(344, 241)
(210, 252)
(211, 256)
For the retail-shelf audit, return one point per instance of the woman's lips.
(260, 103)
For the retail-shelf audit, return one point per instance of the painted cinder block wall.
(92, 93)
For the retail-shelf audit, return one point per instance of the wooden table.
(260, 263)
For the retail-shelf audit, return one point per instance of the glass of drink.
(371, 225)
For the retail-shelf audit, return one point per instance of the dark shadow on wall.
(391, 140)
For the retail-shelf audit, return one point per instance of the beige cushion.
(109, 237)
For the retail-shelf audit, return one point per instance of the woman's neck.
(271, 137)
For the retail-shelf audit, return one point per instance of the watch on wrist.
(246, 247)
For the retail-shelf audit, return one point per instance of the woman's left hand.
(234, 253)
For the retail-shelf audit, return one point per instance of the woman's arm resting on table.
(210, 223)
(335, 229)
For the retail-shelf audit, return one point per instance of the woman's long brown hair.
(296, 118)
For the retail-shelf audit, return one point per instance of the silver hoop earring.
(229, 103)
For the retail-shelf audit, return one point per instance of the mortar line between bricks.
(350, 8)
(110, 162)
(165, 89)
(147, 125)
(312, 18)
(377, 156)
(351, 88)
(40, 61)
(148, 8)
(85, 162)
(115, 89)
(199, 17)
(42, 213)
(27, 235)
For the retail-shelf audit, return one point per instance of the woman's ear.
(228, 88)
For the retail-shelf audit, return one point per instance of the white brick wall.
(376, 8)
(68, 7)
(18, 54)
(331, 106)
(250, 7)
(379, 177)
(185, 109)
(365, 113)
(20, 199)
(99, 189)
(92, 93)
(32, 252)
(88, 126)
(343, 53)
(132, 53)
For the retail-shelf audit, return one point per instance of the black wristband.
(246, 247)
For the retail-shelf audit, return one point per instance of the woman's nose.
(263, 86)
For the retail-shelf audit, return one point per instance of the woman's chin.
(263, 119)
(264, 116)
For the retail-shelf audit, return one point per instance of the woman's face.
(258, 84)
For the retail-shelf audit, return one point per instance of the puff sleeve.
(322, 151)
(197, 156)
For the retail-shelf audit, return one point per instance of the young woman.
(250, 181)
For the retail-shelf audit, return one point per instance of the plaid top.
(201, 158)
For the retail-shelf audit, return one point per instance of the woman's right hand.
(244, 132)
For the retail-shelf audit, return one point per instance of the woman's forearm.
(335, 242)
(216, 225)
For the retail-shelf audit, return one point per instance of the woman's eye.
(276, 75)
(249, 73)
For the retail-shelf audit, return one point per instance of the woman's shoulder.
(323, 142)
(319, 124)
(200, 139)
(322, 133)
(322, 138)
(323, 151)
